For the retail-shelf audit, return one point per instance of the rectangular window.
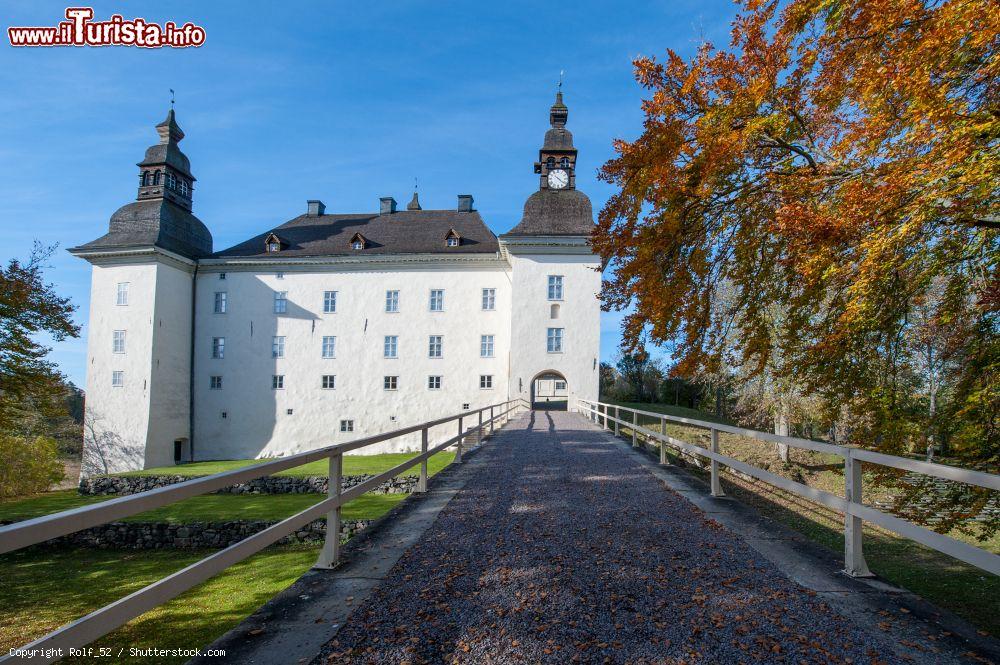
(437, 300)
(389, 350)
(554, 340)
(329, 347)
(486, 381)
(346, 425)
(222, 275)
(118, 341)
(560, 385)
(555, 287)
(329, 381)
(489, 299)
(278, 382)
(329, 301)
(220, 302)
(215, 383)
(434, 382)
(278, 346)
(486, 346)
(218, 347)
(117, 379)
(390, 382)
(280, 302)
(392, 301)
(435, 346)
(122, 298)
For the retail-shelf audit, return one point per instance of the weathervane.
(561, 73)
(171, 97)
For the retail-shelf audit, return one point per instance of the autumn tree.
(838, 163)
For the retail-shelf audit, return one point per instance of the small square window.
(346, 425)
(122, 296)
(329, 301)
(117, 379)
(221, 302)
(280, 302)
(465, 406)
(486, 381)
(489, 299)
(278, 382)
(279, 275)
(358, 244)
(390, 383)
(278, 347)
(289, 411)
(329, 381)
(452, 241)
(224, 414)
(222, 275)
(215, 383)
(434, 383)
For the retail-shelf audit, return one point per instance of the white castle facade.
(330, 327)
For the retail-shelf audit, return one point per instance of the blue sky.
(345, 102)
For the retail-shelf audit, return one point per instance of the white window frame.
(554, 340)
(118, 341)
(117, 378)
(392, 301)
(221, 303)
(435, 343)
(218, 348)
(278, 346)
(486, 382)
(280, 302)
(347, 425)
(329, 349)
(489, 299)
(390, 346)
(121, 296)
(329, 302)
(559, 385)
(357, 244)
(452, 241)
(555, 291)
(329, 382)
(486, 346)
(277, 382)
(437, 298)
(215, 382)
(434, 382)
(390, 382)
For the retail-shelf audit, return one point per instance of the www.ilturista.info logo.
(81, 30)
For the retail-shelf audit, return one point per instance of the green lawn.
(44, 589)
(354, 465)
(947, 582)
(206, 508)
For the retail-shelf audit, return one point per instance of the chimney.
(387, 205)
(465, 202)
(315, 208)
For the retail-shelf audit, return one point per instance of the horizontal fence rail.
(102, 621)
(855, 512)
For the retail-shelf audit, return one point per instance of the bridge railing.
(471, 424)
(850, 505)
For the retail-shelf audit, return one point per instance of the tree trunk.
(781, 429)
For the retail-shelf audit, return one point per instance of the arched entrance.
(549, 390)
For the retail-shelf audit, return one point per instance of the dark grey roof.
(167, 153)
(402, 232)
(552, 212)
(155, 222)
(558, 138)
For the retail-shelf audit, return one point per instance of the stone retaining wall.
(122, 485)
(162, 535)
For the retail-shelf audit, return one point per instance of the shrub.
(28, 465)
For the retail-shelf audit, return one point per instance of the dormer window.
(452, 239)
(358, 242)
(272, 243)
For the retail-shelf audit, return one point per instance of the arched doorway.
(549, 391)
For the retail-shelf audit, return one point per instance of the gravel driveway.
(561, 549)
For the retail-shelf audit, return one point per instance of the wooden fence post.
(330, 554)
(716, 483)
(854, 556)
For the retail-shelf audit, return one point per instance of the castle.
(330, 327)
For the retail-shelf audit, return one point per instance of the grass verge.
(354, 465)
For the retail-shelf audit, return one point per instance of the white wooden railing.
(854, 511)
(102, 621)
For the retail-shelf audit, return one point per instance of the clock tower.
(556, 163)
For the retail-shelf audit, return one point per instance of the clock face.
(558, 179)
